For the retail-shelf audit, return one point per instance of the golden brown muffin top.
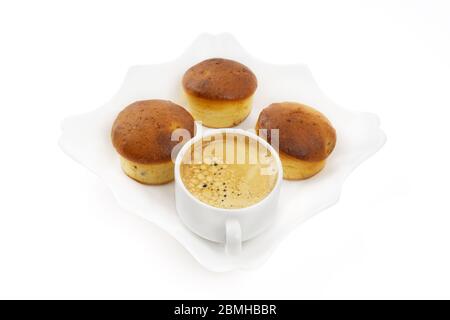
(304, 133)
(220, 79)
(142, 131)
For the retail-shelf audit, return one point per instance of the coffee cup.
(230, 226)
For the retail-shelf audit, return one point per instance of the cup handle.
(233, 237)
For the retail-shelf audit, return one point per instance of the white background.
(63, 236)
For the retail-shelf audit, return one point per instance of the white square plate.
(86, 138)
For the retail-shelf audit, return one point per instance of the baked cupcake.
(306, 137)
(219, 92)
(142, 135)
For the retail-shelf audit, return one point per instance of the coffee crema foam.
(229, 171)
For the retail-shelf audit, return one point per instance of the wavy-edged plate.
(86, 138)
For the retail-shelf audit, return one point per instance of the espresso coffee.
(229, 171)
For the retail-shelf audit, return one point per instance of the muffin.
(306, 137)
(142, 134)
(219, 92)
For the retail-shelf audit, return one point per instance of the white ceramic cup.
(228, 226)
